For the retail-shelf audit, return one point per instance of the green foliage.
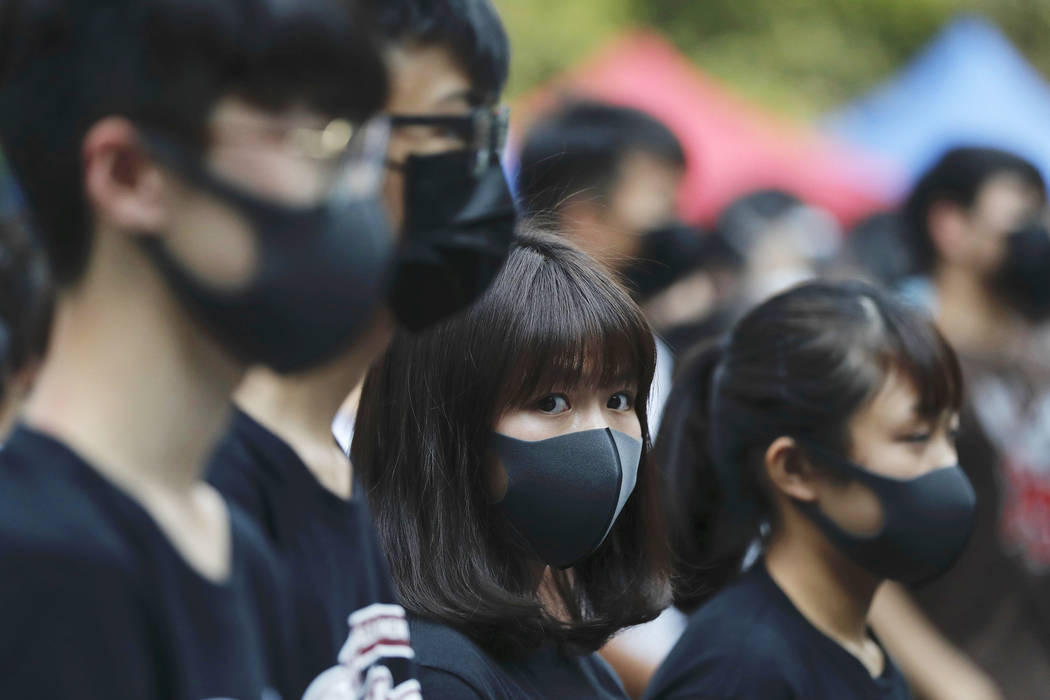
(796, 56)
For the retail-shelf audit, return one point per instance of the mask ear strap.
(843, 465)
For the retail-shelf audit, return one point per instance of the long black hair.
(553, 319)
(799, 365)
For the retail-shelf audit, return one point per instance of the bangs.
(922, 355)
(569, 325)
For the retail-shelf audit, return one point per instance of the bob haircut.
(799, 365)
(552, 320)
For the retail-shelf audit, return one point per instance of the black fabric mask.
(459, 225)
(321, 275)
(668, 253)
(1023, 278)
(564, 494)
(927, 521)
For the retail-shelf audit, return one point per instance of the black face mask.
(1023, 278)
(668, 253)
(926, 523)
(321, 275)
(459, 218)
(564, 494)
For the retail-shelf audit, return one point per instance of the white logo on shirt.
(378, 634)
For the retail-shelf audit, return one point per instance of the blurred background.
(854, 98)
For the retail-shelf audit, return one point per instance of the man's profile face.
(643, 198)
(425, 80)
(1004, 203)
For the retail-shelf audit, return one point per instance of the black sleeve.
(442, 685)
(72, 630)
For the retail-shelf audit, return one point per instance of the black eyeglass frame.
(484, 130)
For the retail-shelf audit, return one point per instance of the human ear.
(125, 189)
(788, 470)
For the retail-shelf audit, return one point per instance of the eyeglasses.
(351, 156)
(484, 130)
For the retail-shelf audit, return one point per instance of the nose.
(591, 417)
(945, 453)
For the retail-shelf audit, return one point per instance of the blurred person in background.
(505, 456)
(768, 240)
(204, 185)
(813, 458)
(446, 192)
(25, 316)
(977, 227)
(878, 248)
(608, 178)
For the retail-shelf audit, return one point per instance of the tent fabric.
(733, 148)
(969, 86)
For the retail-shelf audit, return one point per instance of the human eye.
(620, 401)
(553, 404)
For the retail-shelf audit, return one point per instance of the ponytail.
(800, 364)
(708, 539)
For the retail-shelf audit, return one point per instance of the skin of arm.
(935, 668)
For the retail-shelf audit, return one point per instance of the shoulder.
(449, 658)
(234, 470)
(54, 516)
(733, 647)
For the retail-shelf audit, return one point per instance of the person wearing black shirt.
(819, 436)
(504, 455)
(191, 168)
(329, 545)
(448, 197)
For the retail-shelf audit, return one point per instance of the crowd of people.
(303, 397)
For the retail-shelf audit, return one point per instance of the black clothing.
(452, 667)
(332, 556)
(749, 642)
(95, 601)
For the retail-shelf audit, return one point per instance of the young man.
(977, 224)
(190, 167)
(446, 192)
(610, 177)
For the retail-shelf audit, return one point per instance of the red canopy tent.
(733, 147)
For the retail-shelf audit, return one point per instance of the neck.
(970, 316)
(129, 383)
(829, 591)
(300, 409)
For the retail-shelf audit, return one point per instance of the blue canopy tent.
(968, 86)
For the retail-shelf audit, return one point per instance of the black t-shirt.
(95, 602)
(351, 635)
(749, 642)
(452, 667)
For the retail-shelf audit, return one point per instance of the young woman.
(504, 454)
(816, 442)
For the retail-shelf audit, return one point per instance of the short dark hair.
(747, 218)
(425, 423)
(471, 30)
(25, 298)
(66, 64)
(799, 365)
(580, 149)
(958, 178)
